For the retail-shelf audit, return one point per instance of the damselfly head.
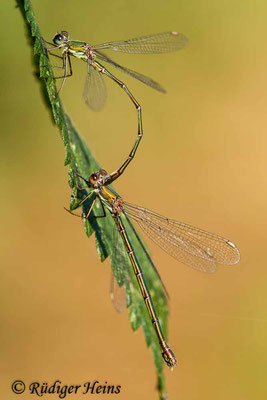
(96, 177)
(61, 38)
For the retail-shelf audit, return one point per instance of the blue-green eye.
(58, 39)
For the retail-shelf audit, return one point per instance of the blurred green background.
(202, 161)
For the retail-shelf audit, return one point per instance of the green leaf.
(79, 157)
(134, 318)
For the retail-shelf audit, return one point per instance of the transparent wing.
(120, 266)
(142, 78)
(117, 295)
(148, 257)
(192, 246)
(159, 43)
(94, 93)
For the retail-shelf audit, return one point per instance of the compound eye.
(58, 39)
(94, 177)
(103, 172)
(65, 35)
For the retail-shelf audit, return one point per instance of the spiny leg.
(65, 61)
(83, 200)
(114, 175)
(52, 44)
(55, 66)
(49, 50)
(90, 209)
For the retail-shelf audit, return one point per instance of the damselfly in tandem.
(192, 246)
(95, 90)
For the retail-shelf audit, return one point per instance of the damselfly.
(192, 246)
(95, 91)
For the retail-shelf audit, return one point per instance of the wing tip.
(237, 252)
(184, 37)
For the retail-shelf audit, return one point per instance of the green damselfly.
(192, 246)
(95, 91)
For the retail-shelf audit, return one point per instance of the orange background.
(202, 161)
